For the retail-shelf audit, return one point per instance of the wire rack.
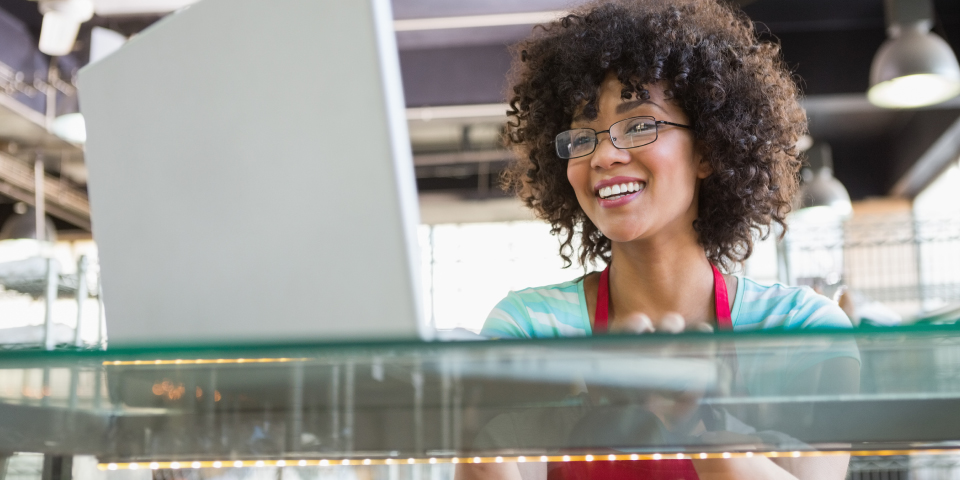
(910, 263)
(901, 467)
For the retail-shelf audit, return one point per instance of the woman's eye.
(582, 139)
(640, 128)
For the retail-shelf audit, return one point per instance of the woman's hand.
(669, 323)
(675, 410)
(634, 324)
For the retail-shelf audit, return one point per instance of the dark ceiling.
(828, 43)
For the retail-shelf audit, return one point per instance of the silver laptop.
(251, 177)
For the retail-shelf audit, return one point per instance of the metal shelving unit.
(40, 278)
(910, 264)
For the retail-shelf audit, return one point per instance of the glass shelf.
(869, 393)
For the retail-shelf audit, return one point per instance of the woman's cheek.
(576, 178)
(572, 174)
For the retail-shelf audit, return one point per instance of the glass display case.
(887, 398)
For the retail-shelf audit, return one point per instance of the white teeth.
(622, 189)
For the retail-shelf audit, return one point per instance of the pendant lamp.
(61, 23)
(913, 67)
(821, 193)
(22, 224)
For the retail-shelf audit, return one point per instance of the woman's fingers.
(672, 323)
(669, 323)
(639, 323)
(701, 327)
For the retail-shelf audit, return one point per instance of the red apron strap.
(724, 320)
(722, 302)
(679, 469)
(603, 302)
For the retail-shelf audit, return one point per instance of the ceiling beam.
(475, 21)
(937, 157)
(62, 200)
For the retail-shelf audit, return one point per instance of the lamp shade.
(912, 69)
(61, 22)
(70, 127)
(24, 225)
(824, 192)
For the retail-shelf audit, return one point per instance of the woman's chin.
(620, 235)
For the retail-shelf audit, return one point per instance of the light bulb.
(914, 91)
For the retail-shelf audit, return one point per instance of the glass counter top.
(867, 392)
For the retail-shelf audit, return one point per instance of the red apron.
(639, 469)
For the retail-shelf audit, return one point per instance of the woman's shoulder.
(774, 305)
(556, 310)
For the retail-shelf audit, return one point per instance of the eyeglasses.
(632, 132)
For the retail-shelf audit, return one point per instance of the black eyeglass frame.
(596, 141)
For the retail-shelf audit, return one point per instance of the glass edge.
(373, 346)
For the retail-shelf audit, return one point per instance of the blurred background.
(879, 227)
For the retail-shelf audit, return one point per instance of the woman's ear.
(704, 169)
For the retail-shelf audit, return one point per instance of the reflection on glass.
(708, 406)
(761, 394)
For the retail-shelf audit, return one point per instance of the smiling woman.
(660, 136)
(743, 107)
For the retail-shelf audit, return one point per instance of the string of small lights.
(202, 361)
(513, 459)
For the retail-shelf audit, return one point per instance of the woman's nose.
(607, 155)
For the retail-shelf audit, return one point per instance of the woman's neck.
(659, 276)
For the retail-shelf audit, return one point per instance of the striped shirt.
(561, 311)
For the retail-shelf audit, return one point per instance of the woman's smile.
(618, 191)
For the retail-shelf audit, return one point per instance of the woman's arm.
(815, 468)
(759, 468)
(831, 377)
(501, 471)
(835, 376)
(489, 471)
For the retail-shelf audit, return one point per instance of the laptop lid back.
(251, 179)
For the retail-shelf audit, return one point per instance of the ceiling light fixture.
(103, 42)
(914, 67)
(821, 194)
(71, 128)
(61, 23)
(22, 224)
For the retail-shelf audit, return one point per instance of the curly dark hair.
(742, 101)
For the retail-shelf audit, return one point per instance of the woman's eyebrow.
(630, 105)
(622, 108)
